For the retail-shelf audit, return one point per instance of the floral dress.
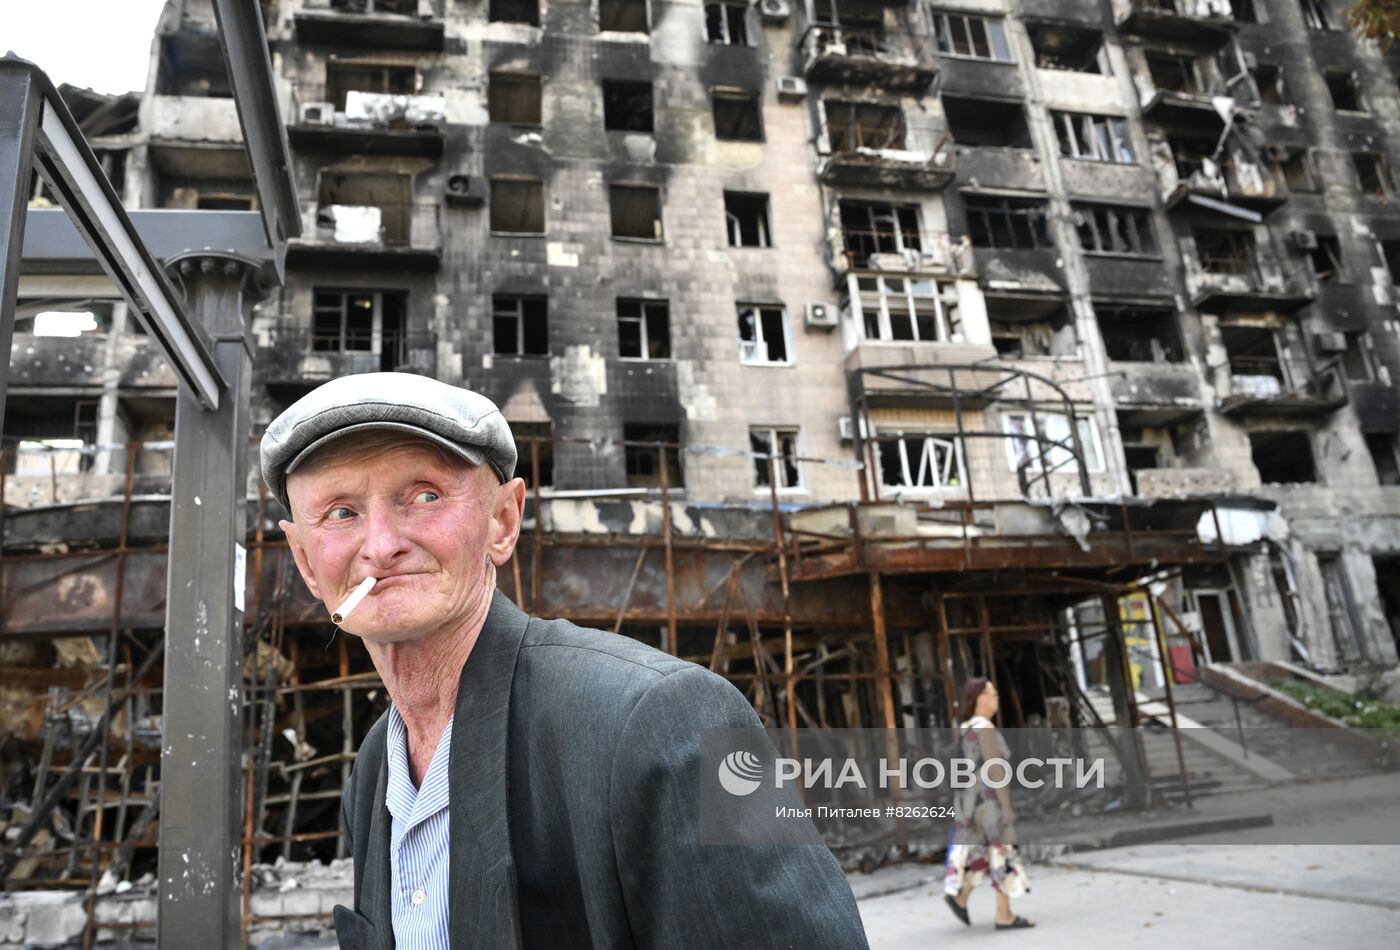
(980, 846)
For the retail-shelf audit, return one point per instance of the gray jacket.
(573, 810)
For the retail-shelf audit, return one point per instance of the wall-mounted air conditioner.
(791, 88)
(821, 316)
(316, 113)
(774, 11)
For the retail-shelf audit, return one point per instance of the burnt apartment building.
(854, 348)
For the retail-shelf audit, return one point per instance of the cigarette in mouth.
(353, 601)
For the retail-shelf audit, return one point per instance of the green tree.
(1376, 19)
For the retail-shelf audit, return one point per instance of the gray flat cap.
(459, 420)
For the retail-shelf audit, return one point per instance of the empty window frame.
(763, 335)
(527, 435)
(514, 98)
(774, 452)
(1115, 229)
(1192, 154)
(1384, 449)
(1053, 450)
(1326, 259)
(1357, 359)
(1284, 457)
(894, 309)
(878, 227)
(1007, 223)
(746, 217)
(915, 460)
(1317, 14)
(1345, 90)
(520, 325)
(1270, 84)
(1100, 138)
(359, 321)
(1225, 251)
(737, 115)
(636, 211)
(975, 37)
(345, 78)
(726, 24)
(627, 106)
(1298, 171)
(855, 125)
(643, 329)
(987, 123)
(643, 457)
(1390, 254)
(515, 11)
(1069, 48)
(1173, 73)
(1242, 11)
(1254, 356)
(1140, 335)
(517, 205)
(623, 16)
(1018, 333)
(1373, 173)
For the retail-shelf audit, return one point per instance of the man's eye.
(426, 496)
(340, 514)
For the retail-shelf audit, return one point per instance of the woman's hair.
(970, 691)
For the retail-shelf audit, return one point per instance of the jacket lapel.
(376, 889)
(479, 861)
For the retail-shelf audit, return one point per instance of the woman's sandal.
(959, 911)
(1020, 923)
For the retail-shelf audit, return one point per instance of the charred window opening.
(1019, 331)
(1390, 253)
(113, 162)
(1297, 170)
(762, 334)
(345, 78)
(643, 329)
(1255, 357)
(1384, 449)
(973, 37)
(369, 208)
(1099, 138)
(737, 115)
(1326, 259)
(878, 227)
(192, 65)
(50, 436)
(361, 321)
(1007, 223)
(1069, 48)
(515, 11)
(1283, 458)
(517, 205)
(1268, 80)
(627, 106)
(527, 435)
(1173, 73)
(1242, 11)
(726, 24)
(623, 16)
(520, 325)
(1372, 171)
(515, 98)
(643, 460)
(987, 123)
(1317, 15)
(1357, 363)
(1115, 229)
(919, 460)
(1140, 335)
(775, 451)
(747, 218)
(851, 126)
(636, 211)
(1225, 251)
(1344, 90)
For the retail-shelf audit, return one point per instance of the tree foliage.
(1376, 19)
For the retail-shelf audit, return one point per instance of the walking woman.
(983, 844)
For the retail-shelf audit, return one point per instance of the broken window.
(1297, 170)
(1071, 48)
(905, 308)
(747, 218)
(1140, 335)
(1098, 138)
(975, 37)
(192, 65)
(345, 78)
(515, 11)
(636, 211)
(919, 460)
(643, 329)
(1317, 15)
(1357, 359)
(763, 336)
(775, 451)
(627, 106)
(1019, 332)
(987, 123)
(1268, 80)
(878, 227)
(1242, 11)
(527, 435)
(1344, 89)
(623, 16)
(1007, 223)
(855, 125)
(1283, 458)
(1192, 155)
(1172, 73)
(520, 325)
(514, 98)
(517, 205)
(737, 115)
(361, 321)
(1326, 259)
(1255, 359)
(1043, 440)
(1115, 229)
(726, 24)
(1372, 171)
(1225, 251)
(642, 456)
(1385, 454)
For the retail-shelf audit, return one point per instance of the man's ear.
(507, 513)
(293, 533)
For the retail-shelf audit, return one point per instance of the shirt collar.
(407, 804)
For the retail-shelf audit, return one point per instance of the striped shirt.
(418, 842)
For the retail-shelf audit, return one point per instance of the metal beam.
(19, 122)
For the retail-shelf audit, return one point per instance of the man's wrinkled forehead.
(340, 465)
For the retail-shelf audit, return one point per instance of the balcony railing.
(1277, 385)
(1174, 19)
(886, 250)
(839, 54)
(390, 227)
(875, 157)
(317, 108)
(292, 352)
(1251, 184)
(383, 24)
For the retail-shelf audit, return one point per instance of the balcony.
(380, 24)
(884, 251)
(928, 375)
(366, 123)
(294, 356)
(1260, 188)
(406, 236)
(1225, 269)
(1189, 21)
(1155, 394)
(874, 161)
(859, 57)
(1278, 386)
(81, 363)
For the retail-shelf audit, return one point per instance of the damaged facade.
(854, 349)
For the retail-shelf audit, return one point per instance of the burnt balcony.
(293, 356)
(1277, 386)
(1187, 21)
(406, 236)
(381, 24)
(366, 122)
(878, 159)
(1260, 188)
(1224, 270)
(858, 57)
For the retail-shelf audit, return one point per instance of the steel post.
(20, 105)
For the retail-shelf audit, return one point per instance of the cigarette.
(353, 601)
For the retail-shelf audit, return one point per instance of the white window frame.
(754, 352)
(945, 23)
(775, 434)
(1051, 426)
(944, 296)
(1107, 135)
(910, 470)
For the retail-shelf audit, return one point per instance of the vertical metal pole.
(1120, 685)
(201, 787)
(672, 645)
(20, 106)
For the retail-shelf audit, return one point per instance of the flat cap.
(459, 420)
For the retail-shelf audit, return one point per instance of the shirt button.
(419, 896)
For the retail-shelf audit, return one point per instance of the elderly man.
(532, 784)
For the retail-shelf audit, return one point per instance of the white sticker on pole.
(240, 574)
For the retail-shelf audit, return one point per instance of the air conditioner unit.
(791, 88)
(316, 113)
(1304, 240)
(468, 191)
(821, 316)
(846, 429)
(1330, 342)
(1274, 152)
(835, 49)
(774, 11)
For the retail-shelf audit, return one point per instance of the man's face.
(428, 527)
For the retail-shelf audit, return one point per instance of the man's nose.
(384, 541)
